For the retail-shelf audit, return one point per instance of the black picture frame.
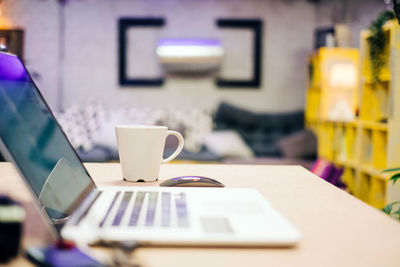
(13, 39)
(123, 25)
(255, 25)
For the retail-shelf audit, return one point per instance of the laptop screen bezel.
(8, 156)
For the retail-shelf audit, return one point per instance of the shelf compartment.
(362, 186)
(366, 147)
(339, 143)
(339, 83)
(375, 102)
(382, 101)
(367, 104)
(325, 140)
(379, 141)
(351, 141)
(377, 194)
(349, 179)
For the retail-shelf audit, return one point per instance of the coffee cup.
(140, 149)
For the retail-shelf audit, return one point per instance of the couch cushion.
(261, 131)
(227, 144)
(301, 144)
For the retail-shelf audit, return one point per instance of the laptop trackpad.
(212, 225)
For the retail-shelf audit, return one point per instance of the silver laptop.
(31, 138)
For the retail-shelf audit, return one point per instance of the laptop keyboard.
(142, 208)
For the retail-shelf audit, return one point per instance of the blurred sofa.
(229, 135)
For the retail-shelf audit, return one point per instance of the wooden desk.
(338, 229)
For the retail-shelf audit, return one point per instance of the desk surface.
(337, 229)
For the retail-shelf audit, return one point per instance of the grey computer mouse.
(192, 181)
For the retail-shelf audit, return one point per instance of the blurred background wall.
(91, 42)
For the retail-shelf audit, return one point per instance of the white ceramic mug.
(141, 150)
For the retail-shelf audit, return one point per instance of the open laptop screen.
(30, 135)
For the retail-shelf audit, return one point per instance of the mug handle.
(178, 149)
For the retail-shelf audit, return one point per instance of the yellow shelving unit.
(370, 142)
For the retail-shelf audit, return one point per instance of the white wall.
(91, 47)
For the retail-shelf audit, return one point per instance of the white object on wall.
(190, 55)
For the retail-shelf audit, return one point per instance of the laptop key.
(151, 208)
(181, 209)
(165, 209)
(137, 207)
(122, 208)
(109, 209)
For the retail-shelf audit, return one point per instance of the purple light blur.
(11, 68)
(189, 42)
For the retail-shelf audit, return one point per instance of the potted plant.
(393, 209)
(376, 42)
